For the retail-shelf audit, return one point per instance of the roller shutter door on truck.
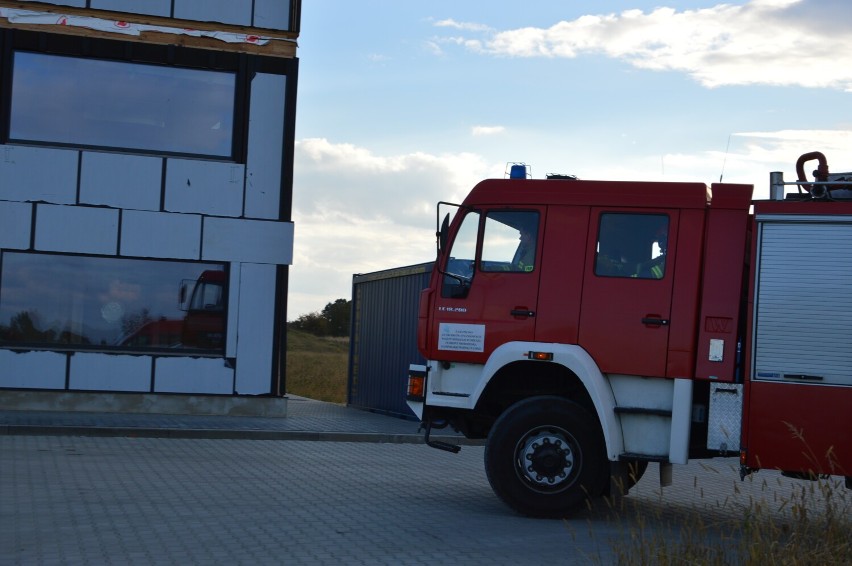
(803, 300)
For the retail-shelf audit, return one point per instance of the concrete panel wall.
(32, 370)
(15, 225)
(251, 241)
(76, 229)
(255, 326)
(204, 187)
(226, 11)
(161, 235)
(121, 180)
(38, 174)
(265, 146)
(193, 375)
(233, 311)
(116, 204)
(274, 14)
(75, 3)
(149, 7)
(105, 372)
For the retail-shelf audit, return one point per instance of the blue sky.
(404, 103)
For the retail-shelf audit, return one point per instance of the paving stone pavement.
(306, 419)
(141, 499)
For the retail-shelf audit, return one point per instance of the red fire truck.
(586, 328)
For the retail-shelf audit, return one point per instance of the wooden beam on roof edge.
(281, 44)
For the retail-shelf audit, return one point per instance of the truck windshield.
(509, 241)
(459, 270)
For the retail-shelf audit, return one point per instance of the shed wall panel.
(15, 225)
(32, 370)
(76, 229)
(265, 146)
(160, 235)
(254, 331)
(251, 241)
(103, 372)
(148, 7)
(38, 174)
(204, 187)
(385, 307)
(193, 375)
(121, 181)
(225, 11)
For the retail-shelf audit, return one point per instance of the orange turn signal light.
(416, 387)
(541, 356)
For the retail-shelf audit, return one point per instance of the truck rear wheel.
(545, 456)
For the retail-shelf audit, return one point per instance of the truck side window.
(509, 241)
(632, 245)
(459, 271)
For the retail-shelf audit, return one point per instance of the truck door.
(489, 290)
(625, 314)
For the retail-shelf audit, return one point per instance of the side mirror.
(443, 234)
(182, 295)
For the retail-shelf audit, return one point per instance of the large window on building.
(99, 103)
(80, 302)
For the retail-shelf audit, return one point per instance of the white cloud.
(749, 159)
(487, 130)
(774, 42)
(357, 212)
(466, 26)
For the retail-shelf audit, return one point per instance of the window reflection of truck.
(204, 322)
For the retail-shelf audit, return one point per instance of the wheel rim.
(548, 459)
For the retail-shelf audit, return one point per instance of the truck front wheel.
(545, 456)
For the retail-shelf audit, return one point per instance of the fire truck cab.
(586, 328)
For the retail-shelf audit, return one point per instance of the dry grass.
(317, 367)
(808, 527)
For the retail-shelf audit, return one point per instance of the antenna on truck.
(725, 159)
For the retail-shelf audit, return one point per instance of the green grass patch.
(317, 366)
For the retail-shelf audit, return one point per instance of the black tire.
(545, 456)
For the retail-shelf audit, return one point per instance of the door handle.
(522, 312)
(655, 321)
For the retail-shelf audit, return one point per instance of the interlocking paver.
(140, 500)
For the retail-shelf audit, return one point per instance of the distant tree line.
(332, 320)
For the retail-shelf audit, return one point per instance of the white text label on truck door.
(461, 337)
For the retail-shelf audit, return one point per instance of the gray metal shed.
(384, 337)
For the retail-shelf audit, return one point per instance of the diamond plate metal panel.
(725, 418)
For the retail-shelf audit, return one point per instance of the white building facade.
(146, 165)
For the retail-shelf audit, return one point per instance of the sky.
(402, 104)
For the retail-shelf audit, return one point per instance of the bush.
(333, 320)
